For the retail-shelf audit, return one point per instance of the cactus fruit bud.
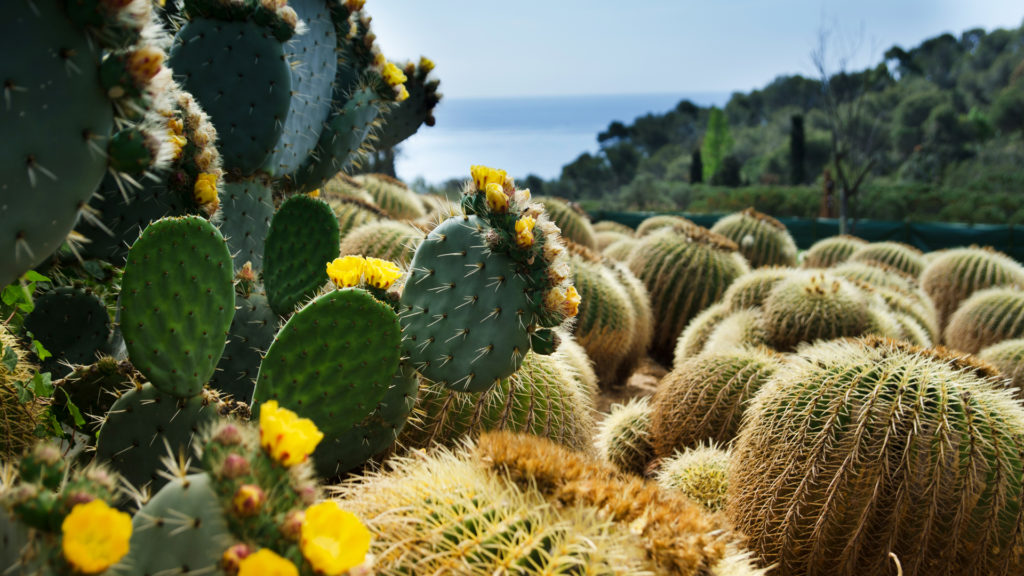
(233, 557)
(248, 500)
(228, 435)
(235, 465)
(291, 528)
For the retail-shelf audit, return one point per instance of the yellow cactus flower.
(333, 540)
(176, 126)
(266, 563)
(483, 175)
(205, 189)
(571, 306)
(393, 75)
(347, 271)
(524, 231)
(177, 144)
(95, 536)
(497, 201)
(314, 193)
(381, 273)
(426, 64)
(403, 94)
(286, 437)
(145, 63)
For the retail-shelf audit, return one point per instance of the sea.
(528, 135)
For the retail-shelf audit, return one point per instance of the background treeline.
(942, 124)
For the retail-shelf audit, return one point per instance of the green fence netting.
(927, 236)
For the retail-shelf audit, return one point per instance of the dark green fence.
(927, 236)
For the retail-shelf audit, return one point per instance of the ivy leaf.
(42, 386)
(76, 414)
(33, 276)
(10, 358)
(41, 350)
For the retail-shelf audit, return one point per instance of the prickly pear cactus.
(72, 324)
(64, 130)
(145, 425)
(248, 207)
(418, 109)
(334, 361)
(252, 331)
(249, 105)
(303, 236)
(484, 288)
(177, 302)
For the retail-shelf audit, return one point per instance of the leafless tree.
(853, 125)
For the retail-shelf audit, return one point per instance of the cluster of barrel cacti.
(215, 317)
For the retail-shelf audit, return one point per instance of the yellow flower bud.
(497, 201)
(333, 540)
(347, 271)
(426, 64)
(392, 74)
(177, 143)
(205, 189)
(315, 193)
(381, 273)
(287, 438)
(483, 175)
(524, 231)
(571, 306)
(95, 537)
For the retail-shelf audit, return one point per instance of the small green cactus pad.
(465, 310)
(252, 331)
(143, 424)
(406, 118)
(247, 207)
(381, 428)
(180, 530)
(238, 73)
(177, 302)
(72, 324)
(314, 65)
(303, 238)
(333, 362)
(340, 141)
(54, 124)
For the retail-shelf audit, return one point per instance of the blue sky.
(486, 48)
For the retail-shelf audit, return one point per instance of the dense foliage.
(945, 124)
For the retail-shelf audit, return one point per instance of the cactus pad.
(303, 238)
(72, 324)
(249, 105)
(177, 302)
(247, 208)
(252, 331)
(467, 312)
(143, 424)
(333, 361)
(53, 122)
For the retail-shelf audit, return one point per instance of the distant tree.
(616, 131)
(797, 150)
(853, 127)
(1008, 109)
(729, 173)
(535, 184)
(696, 168)
(717, 143)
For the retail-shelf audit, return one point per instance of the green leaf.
(76, 414)
(10, 358)
(41, 350)
(12, 294)
(24, 394)
(42, 386)
(33, 276)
